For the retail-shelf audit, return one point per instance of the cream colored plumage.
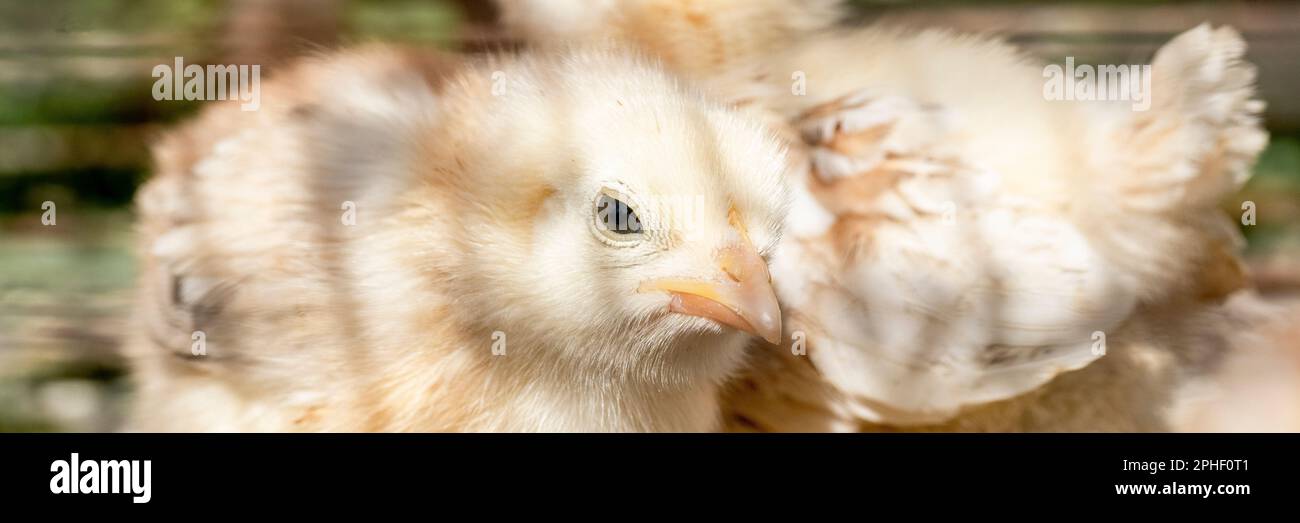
(471, 288)
(958, 244)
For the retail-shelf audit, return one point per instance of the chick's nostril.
(733, 264)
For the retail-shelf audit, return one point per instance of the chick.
(407, 241)
(964, 253)
(695, 38)
(959, 239)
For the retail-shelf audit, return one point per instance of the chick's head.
(626, 218)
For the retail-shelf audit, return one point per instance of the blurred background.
(77, 115)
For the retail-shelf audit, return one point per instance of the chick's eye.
(615, 216)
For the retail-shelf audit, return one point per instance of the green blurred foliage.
(409, 20)
(62, 16)
(1275, 189)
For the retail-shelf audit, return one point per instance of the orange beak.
(742, 297)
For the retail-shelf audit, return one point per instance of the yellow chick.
(408, 241)
(966, 249)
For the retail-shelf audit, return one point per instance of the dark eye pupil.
(616, 216)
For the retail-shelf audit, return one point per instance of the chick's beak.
(741, 297)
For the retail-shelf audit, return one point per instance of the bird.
(400, 239)
(962, 251)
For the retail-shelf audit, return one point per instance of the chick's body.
(977, 240)
(401, 240)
